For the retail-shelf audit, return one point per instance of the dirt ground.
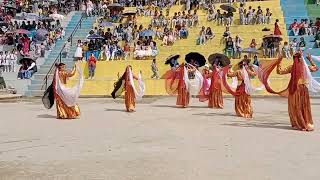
(158, 142)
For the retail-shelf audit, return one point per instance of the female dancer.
(277, 28)
(297, 91)
(125, 83)
(214, 92)
(178, 83)
(242, 96)
(65, 97)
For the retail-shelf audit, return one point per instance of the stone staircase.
(34, 89)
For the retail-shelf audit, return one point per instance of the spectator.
(13, 61)
(253, 45)
(154, 69)
(294, 27)
(229, 49)
(268, 16)
(6, 61)
(260, 17)
(79, 54)
(286, 50)
(209, 34)
(211, 15)
(89, 8)
(67, 48)
(184, 32)
(256, 61)
(92, 61)
(126, 50)
(2, 82)
(294, 45)
(27, 69)
(202, 36)
(241, 14)
(195, 18)
(219, 17)
(264, 48)
(317, 39)
(302, 44)
(42, 50)
(238, 49)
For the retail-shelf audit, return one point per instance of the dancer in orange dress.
(177, 83)
(242, 96)
(301, 82)
(277, 28)
(65, 97)
(126, 84)
(214, 92)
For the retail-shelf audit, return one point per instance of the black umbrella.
(228, 7)
(222, 59)
(129, 13)
(95, 36)
(197, 57)
(116, 6)
(25, 59)
(273, 37)
(170, 58)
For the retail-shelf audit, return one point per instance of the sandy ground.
(158, 142)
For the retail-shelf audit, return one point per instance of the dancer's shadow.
(215, 114)
(166, 106)
(178, 107)
(114, 110)
(268, 125)
(47, 116)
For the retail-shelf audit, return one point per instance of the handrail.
(59, 57)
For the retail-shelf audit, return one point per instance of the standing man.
(92, 61)
(154, 69)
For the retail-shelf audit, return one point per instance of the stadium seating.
(106, 72)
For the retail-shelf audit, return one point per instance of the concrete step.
(34, 93)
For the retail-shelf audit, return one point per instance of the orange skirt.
(215, 99)
(243, 106)
(183, 97)
(65, 112)
(300, 110)
(130, 99)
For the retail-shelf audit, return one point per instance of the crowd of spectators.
(28, 30)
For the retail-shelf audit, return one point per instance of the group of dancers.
(186, 80)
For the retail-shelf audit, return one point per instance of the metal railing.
(59, 57)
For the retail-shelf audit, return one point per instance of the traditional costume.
(126, 83)
(214, 92)
(301, 82)
(178, 83)
(277, 29)
(65, 97)
(243, 91)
